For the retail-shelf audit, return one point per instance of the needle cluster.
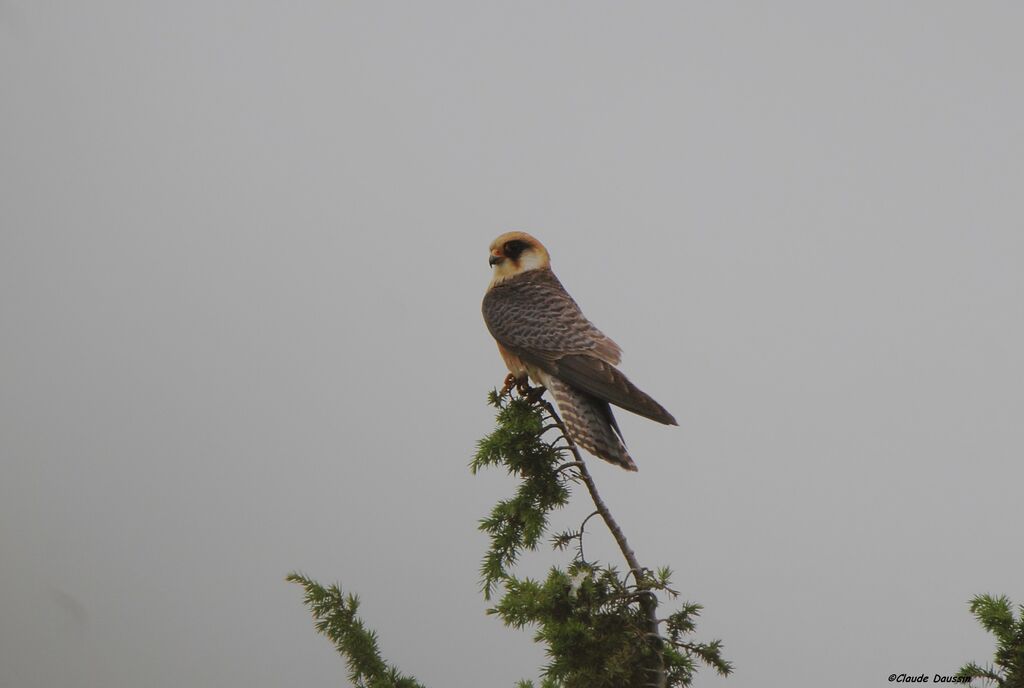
(599, 626)
(995, 614)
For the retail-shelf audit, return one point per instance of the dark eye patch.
(514, 248)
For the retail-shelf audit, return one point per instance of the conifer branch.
(602, 508)
(995, 614)
(649, 602)
(335, 615)
(601, 630)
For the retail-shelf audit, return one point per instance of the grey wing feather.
(605, 382)
(533, 316)
(533, 313)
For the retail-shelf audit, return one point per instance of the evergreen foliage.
(596, 623)
(335, 615)
(599, 626)
(518, 523)
(995, 614)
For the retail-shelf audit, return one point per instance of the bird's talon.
(506, 389)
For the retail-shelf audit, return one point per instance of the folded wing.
(534, 317)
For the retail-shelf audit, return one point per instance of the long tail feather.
(590, 423)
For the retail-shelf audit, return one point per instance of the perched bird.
(542, 334)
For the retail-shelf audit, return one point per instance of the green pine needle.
(335, 617)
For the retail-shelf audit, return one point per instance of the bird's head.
(516, 252)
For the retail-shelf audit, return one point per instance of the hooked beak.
(495, 259)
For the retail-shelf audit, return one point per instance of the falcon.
(542, 335)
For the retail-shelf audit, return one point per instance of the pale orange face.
(515, 252)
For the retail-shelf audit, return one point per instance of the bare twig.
(583, 530)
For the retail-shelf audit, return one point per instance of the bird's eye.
(514, 248)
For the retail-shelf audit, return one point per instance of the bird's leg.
(532, 394)
(510, 382)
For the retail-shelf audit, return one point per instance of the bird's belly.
(515, 365)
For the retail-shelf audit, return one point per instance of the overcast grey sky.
(242, 251)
